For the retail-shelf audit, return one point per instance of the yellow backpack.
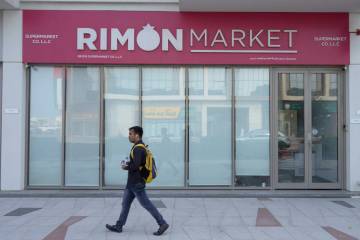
(149, 171)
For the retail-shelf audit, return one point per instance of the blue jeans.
(138, 191)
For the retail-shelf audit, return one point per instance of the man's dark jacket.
(139, 159)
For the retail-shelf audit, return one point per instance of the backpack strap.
(132, 151)
(137, 145)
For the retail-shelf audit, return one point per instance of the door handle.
(309, 139)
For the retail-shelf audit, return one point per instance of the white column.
(353, 113)
(1, 37)
(1, 73)
(13, 104)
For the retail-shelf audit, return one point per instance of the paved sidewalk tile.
(189, 219)
(266, 219)
(339, 235)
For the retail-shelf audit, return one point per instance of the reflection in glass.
(217, 83)
(163, 115)
(324, 128)
(45, 126)
(252, 127)
(82, 126)
(291, 149)
(196, 86)
(121, 113)
(210, 127)
(161, 81)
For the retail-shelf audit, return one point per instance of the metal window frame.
(272, 115)
(269, 68)
(102, 129)
(27, 124)
(103, 185)
(308, 184)
(27, 127)
(186, 127)
(228, 70)
(67, 67)
(340, 131)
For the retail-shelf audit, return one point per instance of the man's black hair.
(137, 130)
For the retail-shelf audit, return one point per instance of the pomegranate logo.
(148, 39)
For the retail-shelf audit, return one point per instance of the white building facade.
(237, 96)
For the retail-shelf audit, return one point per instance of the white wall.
(1, 35)
(13, 110)
(353, 135)
(131, 5)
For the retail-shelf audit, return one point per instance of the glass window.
(121, 113)
(166, 83)
(291, 132)
(122, 81)
(295, 84)
(45, 149)
(216, 82)
(324, 132)
(252, 127)
(210, 129)
(317, 87)
(163, 115)
(82, 126)
(196, 86)
(332, 79)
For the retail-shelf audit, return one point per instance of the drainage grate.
(21, 211)
(344, 204)
(158, 204)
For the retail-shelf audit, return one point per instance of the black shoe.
(114, 228)
(161, 229)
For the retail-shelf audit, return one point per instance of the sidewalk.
(189, 193)
(189, 218)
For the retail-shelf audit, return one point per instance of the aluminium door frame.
(307, 127)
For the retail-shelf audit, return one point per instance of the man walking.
(135, 186)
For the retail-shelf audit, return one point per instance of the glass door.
(307, 128)
(325, 127)
(290, 134)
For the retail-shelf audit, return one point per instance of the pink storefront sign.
(129, 37)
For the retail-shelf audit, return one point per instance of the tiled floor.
(189, 219)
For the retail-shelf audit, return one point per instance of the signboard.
(125, 37)
(161, 112)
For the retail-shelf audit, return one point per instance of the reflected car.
(259, 135)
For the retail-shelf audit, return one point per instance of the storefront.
(235, 100)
